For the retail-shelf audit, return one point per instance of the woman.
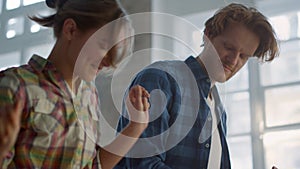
(48, 109)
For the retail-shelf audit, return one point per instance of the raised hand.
(10, 119)
(138, 105)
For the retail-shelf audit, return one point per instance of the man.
(190, 132)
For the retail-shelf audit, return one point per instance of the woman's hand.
(138, 106)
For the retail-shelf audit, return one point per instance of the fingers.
(139, 98)
(145, 92)
(146, 104)
(137, 105)
(135, 97)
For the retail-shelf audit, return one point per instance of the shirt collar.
(40, 64)
(200, 74)
(50, 72)
(196, 68)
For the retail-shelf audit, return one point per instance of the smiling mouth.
(227, 68)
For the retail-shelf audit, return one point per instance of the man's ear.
(69, 28)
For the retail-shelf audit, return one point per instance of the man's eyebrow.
(230, 45)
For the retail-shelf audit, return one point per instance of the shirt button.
(207, 145)
(209, 118)
(208, 80)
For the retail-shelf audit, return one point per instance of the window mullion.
(257, 115)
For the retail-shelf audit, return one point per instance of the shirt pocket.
(45, 116)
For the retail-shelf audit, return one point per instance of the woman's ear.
(69, 28)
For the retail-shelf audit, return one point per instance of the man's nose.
(233, 58)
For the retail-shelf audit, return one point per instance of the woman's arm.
(10, 122)
(137, 105)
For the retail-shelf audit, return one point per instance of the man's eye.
(228, 48)
(244, 57)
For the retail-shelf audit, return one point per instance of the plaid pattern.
(54, 119)
(193, 150)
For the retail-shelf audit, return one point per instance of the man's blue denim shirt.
(178, 144)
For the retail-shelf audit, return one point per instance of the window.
(41, 50)
(9, 60)
(282, 105)
(238, 116)
(280, 86)
(282, 149)
(15, 27)
(1, 3)
(241, 152)
(30, 2)
(19, 30)
(12, 4)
